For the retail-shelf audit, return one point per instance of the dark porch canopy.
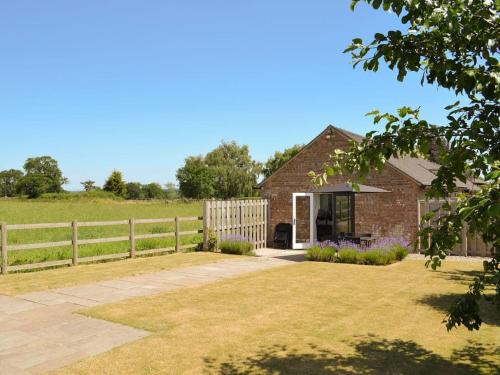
(347, 188)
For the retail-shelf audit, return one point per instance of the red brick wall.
(384, 214)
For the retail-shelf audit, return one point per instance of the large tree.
(9, 181)
(235, 173)
(228, 171)
(452, 44)
(46, 169)
(279, 158)
(195, 178)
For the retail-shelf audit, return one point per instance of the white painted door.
(303, 220)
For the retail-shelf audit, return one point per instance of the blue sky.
(139, 85)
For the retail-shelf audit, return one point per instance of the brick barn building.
(386, 206)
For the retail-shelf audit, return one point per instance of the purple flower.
(234, 238)
(382, 243)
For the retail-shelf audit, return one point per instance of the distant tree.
(34, 185)
(88, 185)
(171, 191)
(279, 158)
(134, 190)
(9, 181)
(47, 167)
(195, 178)
(115, 184)
(234, 172)
(153, 191)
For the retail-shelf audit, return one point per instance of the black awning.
(347, 188)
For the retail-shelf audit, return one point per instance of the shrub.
(321, 254)
(349, 256)
(400, 251)
(380, 252)
(212, 241)
(236, 245)
(378, 257)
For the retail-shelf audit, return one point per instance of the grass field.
(308, 318)
(37, 211)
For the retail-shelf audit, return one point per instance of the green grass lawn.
(308, 318)
(37, 211)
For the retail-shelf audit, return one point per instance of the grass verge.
(19, 283)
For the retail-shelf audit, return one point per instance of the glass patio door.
(303, 220)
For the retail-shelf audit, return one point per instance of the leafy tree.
(279, 158)
(34, 185)
(195, 178)
(134, 190)
(88, 185)
(453, 44)
(9, 181)
(234, 172)
(153, 191)
(115, 184)
(47, 167)
(171, 191)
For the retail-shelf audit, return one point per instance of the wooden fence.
(471, 245)
(245, 218)
(75, 241)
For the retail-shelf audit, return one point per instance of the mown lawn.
(308, 318)
(36, 211)
(18, 283)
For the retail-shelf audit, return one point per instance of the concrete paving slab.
(40, 332)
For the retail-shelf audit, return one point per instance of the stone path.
(39, 331)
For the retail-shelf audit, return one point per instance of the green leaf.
(373, 113)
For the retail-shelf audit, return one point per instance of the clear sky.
(139, 85)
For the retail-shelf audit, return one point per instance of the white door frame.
(295, 245)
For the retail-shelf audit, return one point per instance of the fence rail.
(470, 245)
(245, 218)
(75, 241)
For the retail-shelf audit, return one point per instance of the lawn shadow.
(463, 277)
(372, 356)
(293, 257)
(442, 302)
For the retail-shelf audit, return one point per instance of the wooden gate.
(243, 218)
(471, 245)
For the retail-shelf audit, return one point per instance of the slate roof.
(420, 170)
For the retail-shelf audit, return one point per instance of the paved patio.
(40, 332)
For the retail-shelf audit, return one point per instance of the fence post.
(206, 223)
(74, 241)
(177, 236)
(464, 239)
(132, 238)
(266, 203)
(5, 263)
